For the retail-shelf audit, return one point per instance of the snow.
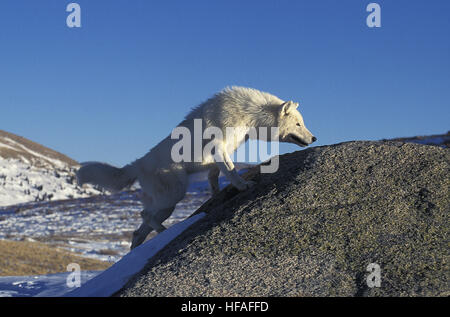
(35, 174)
(21, 182)
(7, 146)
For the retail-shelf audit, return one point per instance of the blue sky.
(112, 89)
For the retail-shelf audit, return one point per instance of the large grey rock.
(312, 228)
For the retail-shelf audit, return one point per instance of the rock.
(313, 227)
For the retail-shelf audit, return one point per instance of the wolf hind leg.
(150, 221)
(161, 191)
(158, 218)
(140, 234)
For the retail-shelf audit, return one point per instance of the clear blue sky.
(113, 88)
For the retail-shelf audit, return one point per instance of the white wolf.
(164, 182)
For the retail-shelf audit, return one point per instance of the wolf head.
(292, 129)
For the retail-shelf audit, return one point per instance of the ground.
(35, 258)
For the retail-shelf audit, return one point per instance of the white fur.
(164, 182)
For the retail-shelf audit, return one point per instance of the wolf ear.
(288, 106)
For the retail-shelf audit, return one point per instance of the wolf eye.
(298, 124)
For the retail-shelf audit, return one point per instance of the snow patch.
(20, 183)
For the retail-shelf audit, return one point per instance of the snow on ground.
(21, 182)
(32, 172)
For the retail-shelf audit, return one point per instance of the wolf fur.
(164, 182)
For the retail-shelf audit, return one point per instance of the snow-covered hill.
(32, 172)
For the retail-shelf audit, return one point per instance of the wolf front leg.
(227, 167)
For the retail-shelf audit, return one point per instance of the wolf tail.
(107, 176)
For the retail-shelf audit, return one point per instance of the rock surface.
(313, 227)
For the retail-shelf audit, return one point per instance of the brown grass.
(33, 258)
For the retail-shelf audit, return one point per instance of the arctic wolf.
(164, 181)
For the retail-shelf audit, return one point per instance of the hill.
(16, 147)
(32, 172)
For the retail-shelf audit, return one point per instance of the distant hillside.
(32, 172)
(16, 147)
(442, 140)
